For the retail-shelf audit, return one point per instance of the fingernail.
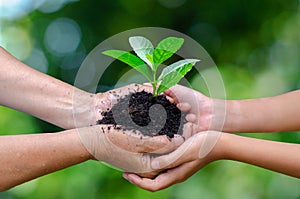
(155, 164)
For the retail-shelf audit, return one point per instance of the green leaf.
(175, 66)
(165, 49)
(174, 77)
(150, 58)
(142, 47)
(131, 60)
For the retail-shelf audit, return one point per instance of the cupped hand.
(127, 150)
(192, 155)
(206, 113)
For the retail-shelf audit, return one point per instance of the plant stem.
(154, 83)
(154, 88)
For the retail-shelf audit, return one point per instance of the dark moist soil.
(150, 115)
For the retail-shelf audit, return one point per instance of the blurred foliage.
(255, 44)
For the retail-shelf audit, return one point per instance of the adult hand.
(127, 150)
(206, 113)
(192, 155)
(105, 101)
(89, 108)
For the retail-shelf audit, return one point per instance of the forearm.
(43, 96)
(272, 114)
(276, 156)
(25, 157)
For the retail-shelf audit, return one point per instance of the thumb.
(173, 159)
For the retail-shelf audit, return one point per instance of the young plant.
(151, 58)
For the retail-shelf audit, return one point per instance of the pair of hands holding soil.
(77, 111)
(155, 158)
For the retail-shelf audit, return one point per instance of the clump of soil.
(150, 115)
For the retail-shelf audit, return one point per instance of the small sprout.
(149, 59)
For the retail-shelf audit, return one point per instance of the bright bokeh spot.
(11, 9)
(62, 36)
(17, 41)
(37, 60)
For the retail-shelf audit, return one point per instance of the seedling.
(151, 58)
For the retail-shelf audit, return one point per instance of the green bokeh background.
(255, 44)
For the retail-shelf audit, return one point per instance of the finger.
(187, 130)
(150, 175)
(144, 183)
(138, 181)
(175, 158)
(183, 94)
(187, 152)
(191, 118)
(171, 94)
(164, 180)
(178, 92)
(171, 100)
(185, 107)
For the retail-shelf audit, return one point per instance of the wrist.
(233, 116)
(246, 116)
(236, 118)
(86, 138)
(84, 110)
(217, 114)
(229, 146)
(219, 150)
(102, 103)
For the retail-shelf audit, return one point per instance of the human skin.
(277, 113)
(25, 157)
(28, 90)
(270, 114)
(276, 156)
(29, 156)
